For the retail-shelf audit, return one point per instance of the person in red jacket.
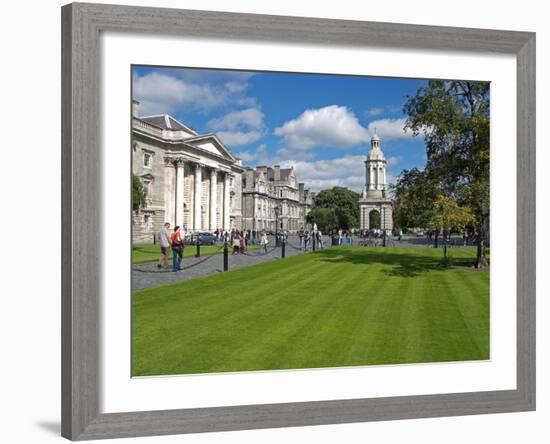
(177, 248)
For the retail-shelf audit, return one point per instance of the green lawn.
(151, 253)
(338, 307)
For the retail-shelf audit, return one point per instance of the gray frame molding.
(81, 166)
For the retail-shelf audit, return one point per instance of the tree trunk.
(481, 259)
(436, 244)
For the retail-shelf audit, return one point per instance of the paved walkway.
(148, 275)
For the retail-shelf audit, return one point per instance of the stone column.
(197, 219)
(371, 177)
(226, 208)
(213, 198)
(180, 177)
(169, 191)
(383, 177)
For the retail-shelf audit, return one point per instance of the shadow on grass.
(400, 264)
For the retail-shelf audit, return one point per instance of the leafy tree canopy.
(335, 208)
(138, 193)
(415, 192)
(454, 117)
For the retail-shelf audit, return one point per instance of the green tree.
(414, 195)
(323, 217)
(341, 203)
(138, 193)
(448, 215)
(454, 118)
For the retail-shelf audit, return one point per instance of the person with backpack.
(177, 248)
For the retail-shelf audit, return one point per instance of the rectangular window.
(147, 160)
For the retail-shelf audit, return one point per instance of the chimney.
(277, 173)
(301, 196)
(135, 108)
(249, 178)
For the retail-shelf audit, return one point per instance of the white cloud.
(163, 92)
(329, 126)
(347, 171)
(256, 156)
(251, 118)
(160, 93)
(393, 160)
(374, 111)
(239, 127)
(336, 126)
(237, 138)
(235, 87)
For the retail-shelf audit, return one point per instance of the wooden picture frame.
(81, 26)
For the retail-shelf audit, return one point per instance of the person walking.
(236, 242)
(307, 238)
(301, 236)
(177, 248)
(264, 241)
(165, 244)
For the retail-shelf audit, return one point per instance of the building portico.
(188, 179)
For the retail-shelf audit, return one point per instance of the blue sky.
(320, 124)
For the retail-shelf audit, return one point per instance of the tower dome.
(375, 153)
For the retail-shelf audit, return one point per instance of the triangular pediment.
(211, 143)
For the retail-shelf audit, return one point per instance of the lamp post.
(276, 225)
(384, 226)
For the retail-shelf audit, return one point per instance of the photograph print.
(302, 221)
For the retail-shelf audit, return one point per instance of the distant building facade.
(189, 179)
(273, 197)
(375, 206)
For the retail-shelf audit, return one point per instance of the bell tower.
(375, 170)
(375, 197)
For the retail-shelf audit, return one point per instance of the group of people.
(174, 240)
(308, 237)
(239, 241)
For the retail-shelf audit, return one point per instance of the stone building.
(375, 206)
(271, 196)
(189, 179)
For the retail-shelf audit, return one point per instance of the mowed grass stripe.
(241, 330)
(303, 337)
(280, 322)
(343, 306)
(376, 338)
(471, 298)
(179, 332)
